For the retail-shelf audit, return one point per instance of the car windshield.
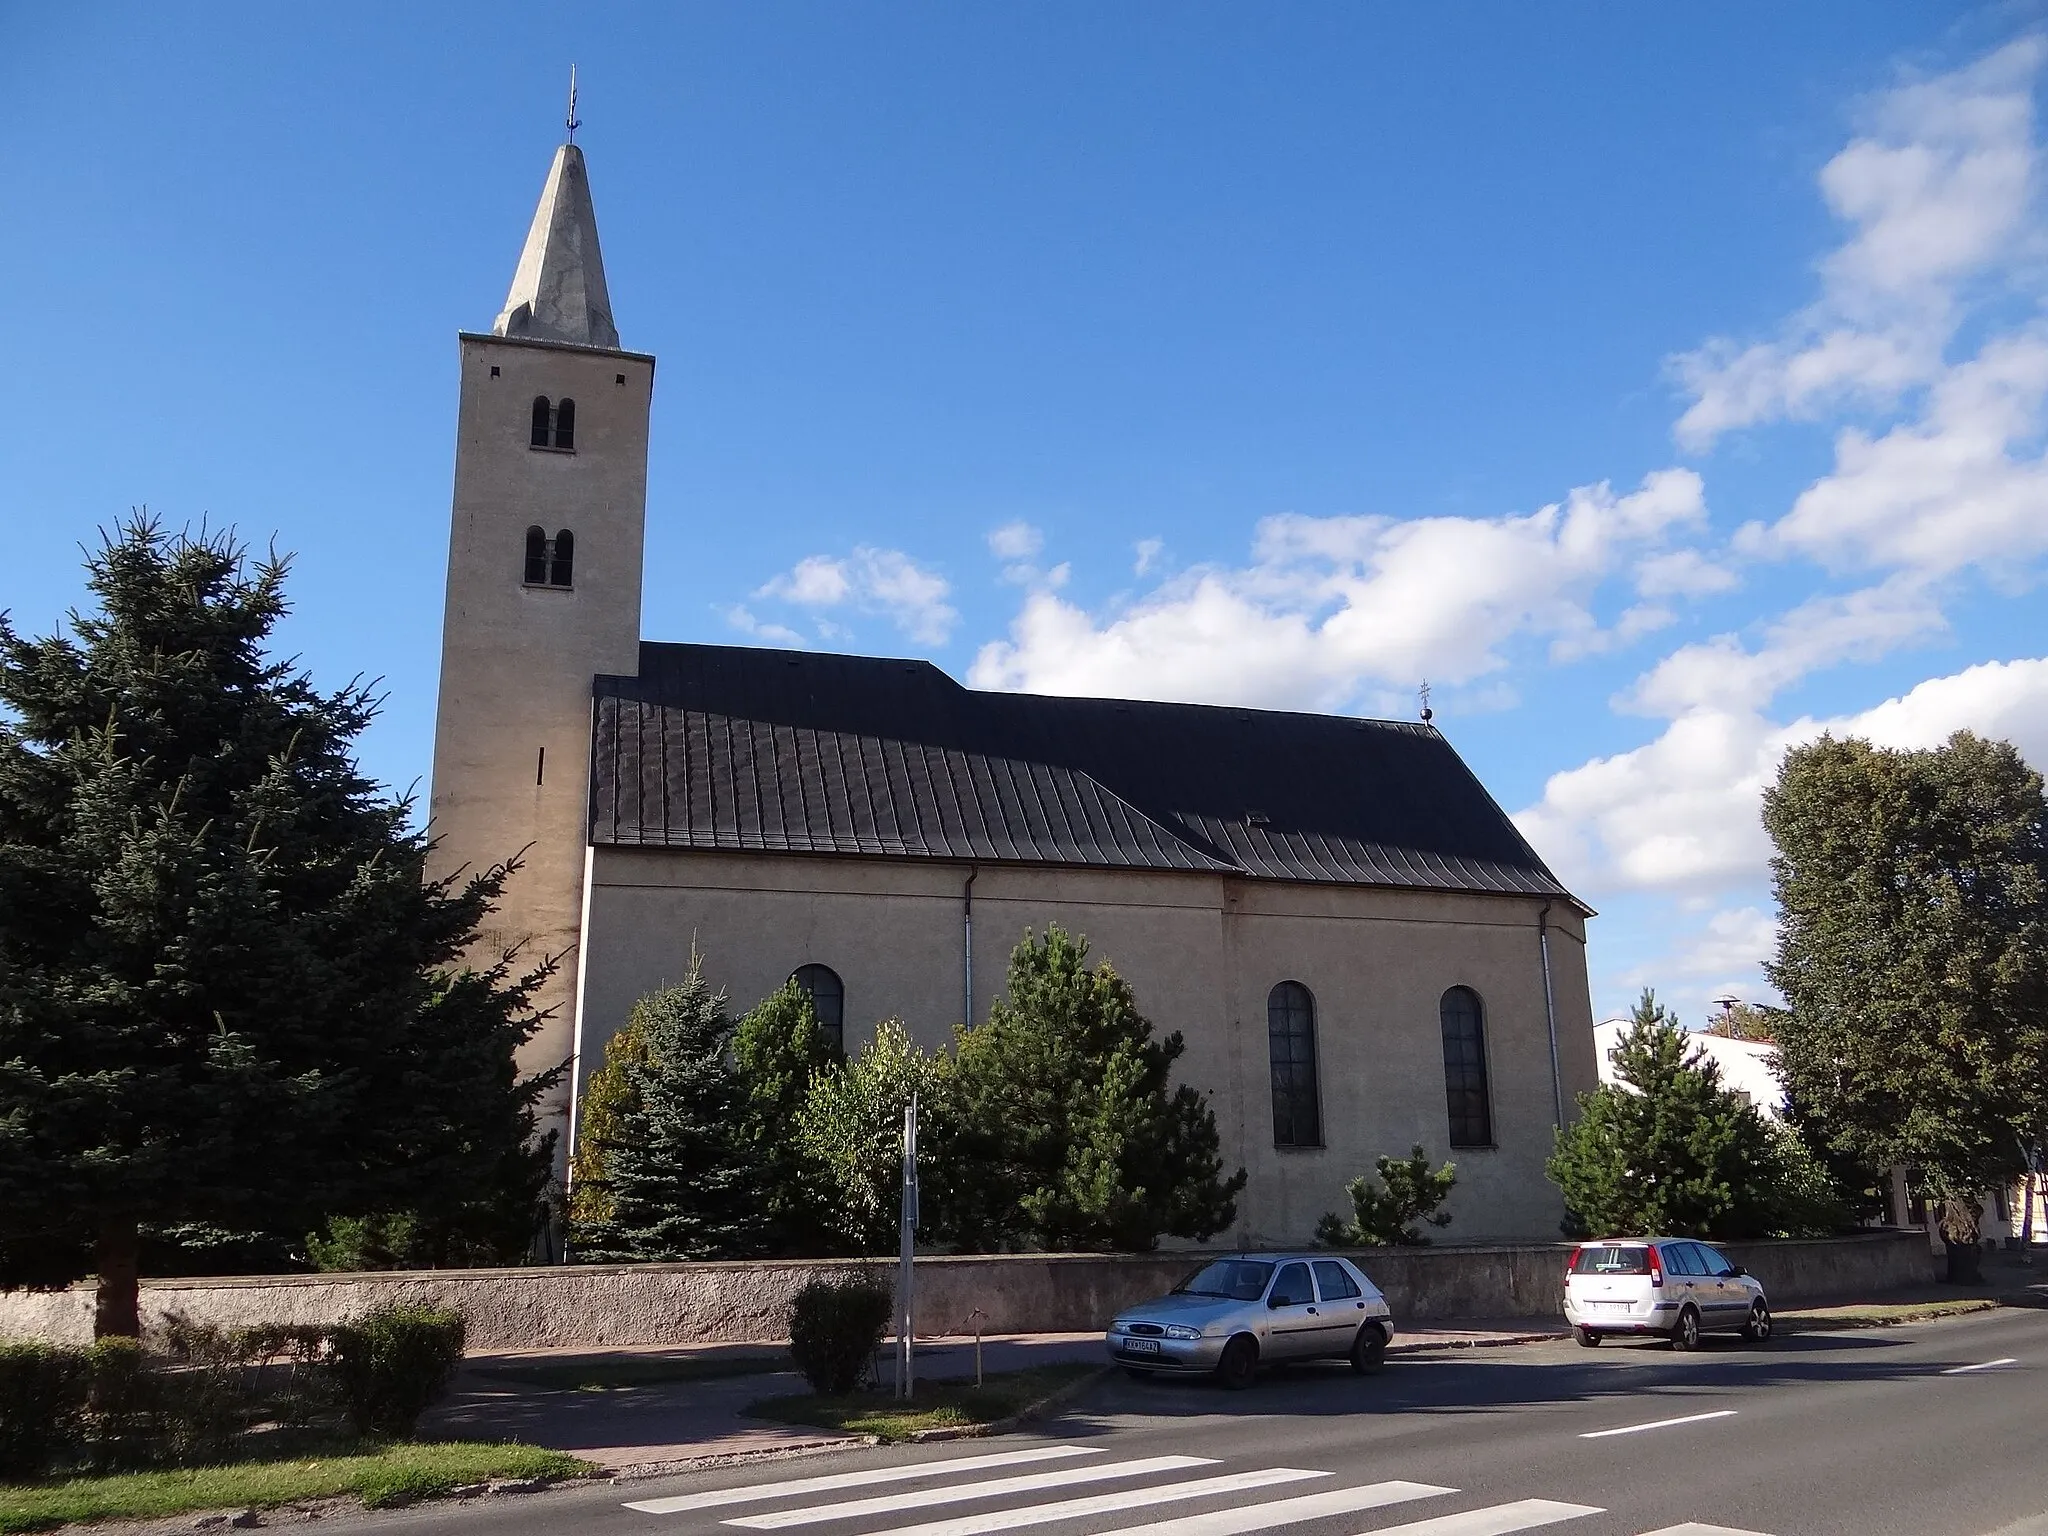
(1233, 1279)
(1607, 1259)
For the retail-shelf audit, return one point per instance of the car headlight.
(1182, 1331)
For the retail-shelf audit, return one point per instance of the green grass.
(1880, 1314)
(937, 1405)
(394, 1474)
(610, 1373)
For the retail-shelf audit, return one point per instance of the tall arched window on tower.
(565, 426)
(1465, 1088)
(543, 423)
(562, 567)
(1291, 1042)
(536, 557)
(828, 1001)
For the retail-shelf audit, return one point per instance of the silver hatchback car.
(1238, 1313)
(1669, 1286)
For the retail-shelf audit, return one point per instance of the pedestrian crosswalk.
(1031, 1488)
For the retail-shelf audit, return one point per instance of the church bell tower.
(544, 566)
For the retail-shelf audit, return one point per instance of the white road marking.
(1637, 1429)
(797, 1486)
(1104, 1503)
(1260, 1517)
(1985, 1365)
(1694, 1528)
(1499, 1520)
(955, 1493)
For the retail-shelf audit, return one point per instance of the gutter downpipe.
(967, 944)
(1550, 1013)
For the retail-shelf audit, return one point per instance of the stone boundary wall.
(578, 1306)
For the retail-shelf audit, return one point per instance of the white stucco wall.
(1747, 1066)
(1201, 951)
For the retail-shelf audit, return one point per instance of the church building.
(1359, 947)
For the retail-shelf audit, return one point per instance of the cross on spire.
(573, 123)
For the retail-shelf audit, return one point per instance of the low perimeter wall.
(578, 1305)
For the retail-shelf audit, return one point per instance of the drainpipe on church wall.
(1550, 1014)
(967, 943)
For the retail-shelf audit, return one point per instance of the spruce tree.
(228, 999)
(1668, 1150)
(677, 1177)
(1069, 1119)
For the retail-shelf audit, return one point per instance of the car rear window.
(1234, 1279)
(1611, 1259)
(1333, 1282)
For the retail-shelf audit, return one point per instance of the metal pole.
(906, 1273)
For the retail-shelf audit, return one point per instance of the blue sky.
(1661, 387)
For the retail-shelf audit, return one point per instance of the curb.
(1503, 1341)
(1058, 1398)
(1794, 1323)
(638, 1471)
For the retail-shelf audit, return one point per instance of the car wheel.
(1239, 1364)
(1687, 1334)
(1369, 1350)
(1758, 1329)
(1588, 1337)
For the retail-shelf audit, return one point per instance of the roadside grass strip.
(1982, 1365)
(1637, 1429)
(798, 1487)
(939, 1404)
(1102, 1503)
(957, 1493)
(396, 1474)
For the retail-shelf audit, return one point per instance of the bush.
(835, 1326)
(393, 1363)
(1385, 1216)
(42, 1404)
(123, 1400)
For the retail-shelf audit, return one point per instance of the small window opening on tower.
(550, 562)
(565, 426)
(540, 767)
(617, 378)
(494, 370)
(543, 422)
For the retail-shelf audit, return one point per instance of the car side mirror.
(1735, 1272)
(1278, 1301)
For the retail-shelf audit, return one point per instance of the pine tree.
(780, 1049)
(1069, 1120)
(1668, 1150)
(228, 999)
(1390, 1213)
(678, 1177)
(1913, 952)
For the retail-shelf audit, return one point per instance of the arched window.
(543, 422)
(828, 1001)
(536, 557)
(1291, 1040)
(1465, 1069)
(565, 424)
(561, 569)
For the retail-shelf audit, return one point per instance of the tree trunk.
(1959, 1214)
(117, 1297)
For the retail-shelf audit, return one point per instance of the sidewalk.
(636, 1407)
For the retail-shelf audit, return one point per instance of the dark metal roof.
(793, 751)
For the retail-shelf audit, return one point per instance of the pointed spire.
(558, 293)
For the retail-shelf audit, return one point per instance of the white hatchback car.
(1669, 1286)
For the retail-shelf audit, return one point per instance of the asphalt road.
(1924, 1430)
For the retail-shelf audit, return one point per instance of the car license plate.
(1141, 1346)
(1613, 1306)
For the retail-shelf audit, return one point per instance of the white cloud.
(1679, 815)
(1148, 552)
(1936, 190)
(743, 620)
(1329, 605)
(1734, 943)
(880, 581)
(1683, 573)
(1016, 541)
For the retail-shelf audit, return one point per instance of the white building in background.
(1749, 1067)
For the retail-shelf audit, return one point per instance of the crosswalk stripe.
(1496, 1520)
(1103, 1503)
(1260, 1517)
(796, 1487)
(1694, 1528)
(955, 1493)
